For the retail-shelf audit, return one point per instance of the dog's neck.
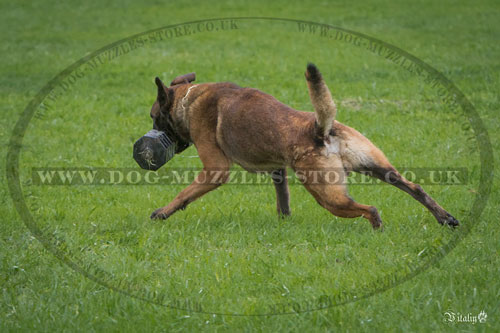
(184, 101)
(182, 112)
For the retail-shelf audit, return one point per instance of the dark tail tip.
(312, 74)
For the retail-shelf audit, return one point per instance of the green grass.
(228, 253)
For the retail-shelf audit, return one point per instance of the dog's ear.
(162, 93)
(186, 78)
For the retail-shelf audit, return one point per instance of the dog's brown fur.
(229, 124)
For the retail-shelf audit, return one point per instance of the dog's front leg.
(215, 173)
(280, 182)
(206, 181)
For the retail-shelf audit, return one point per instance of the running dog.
(230, 124)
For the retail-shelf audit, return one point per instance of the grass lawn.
(228, 262)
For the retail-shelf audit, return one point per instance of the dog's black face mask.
(161, 113)
(164, 123)
(159, 145)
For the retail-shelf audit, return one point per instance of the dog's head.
(162, 109)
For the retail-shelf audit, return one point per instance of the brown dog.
(229, 124)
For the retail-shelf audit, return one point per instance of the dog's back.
(260, 133)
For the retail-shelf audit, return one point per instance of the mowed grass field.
(227, 262)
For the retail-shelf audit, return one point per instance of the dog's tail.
(322, 101)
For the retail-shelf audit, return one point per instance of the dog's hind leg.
(327, 186)
(365, 158)
(389, 174)
(280, 182)
(335, 199)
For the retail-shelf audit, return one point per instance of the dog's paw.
(449, 220)
(375, 219)
(159, 214)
